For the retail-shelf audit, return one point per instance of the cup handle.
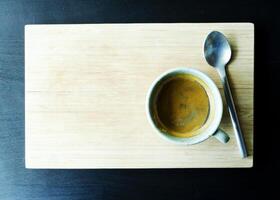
(221, 136)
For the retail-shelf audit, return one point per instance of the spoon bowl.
(217, 50)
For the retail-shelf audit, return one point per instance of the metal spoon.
(217, 53)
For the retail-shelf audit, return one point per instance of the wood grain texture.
(85, 88)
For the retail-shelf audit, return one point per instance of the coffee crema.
(182, 105)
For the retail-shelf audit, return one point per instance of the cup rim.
(217, 100)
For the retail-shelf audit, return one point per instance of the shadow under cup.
(182, 106)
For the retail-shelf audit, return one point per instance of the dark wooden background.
(16, 182)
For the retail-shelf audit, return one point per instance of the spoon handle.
(233, 115)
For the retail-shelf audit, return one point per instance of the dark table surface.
(16, 182)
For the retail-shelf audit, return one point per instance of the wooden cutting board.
(85, 89)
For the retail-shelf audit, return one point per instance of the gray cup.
(211, 127)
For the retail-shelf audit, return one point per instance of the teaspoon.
(217, 53)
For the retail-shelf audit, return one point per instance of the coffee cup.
(184, 106)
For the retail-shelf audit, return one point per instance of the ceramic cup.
(211, 127)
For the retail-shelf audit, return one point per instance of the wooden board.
(85, 89)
